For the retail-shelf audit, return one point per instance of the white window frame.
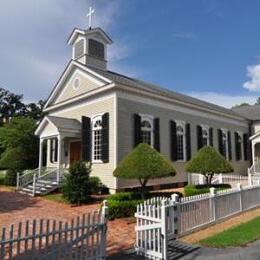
(205, 128)
(183, 125)
(225, 131)
(150, 119)
(242, 145)
(94, 119)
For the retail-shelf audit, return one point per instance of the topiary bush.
(95, 184)
(10, 177)
(76, 187)
(192, 190)
(144, 163)
(208, 161)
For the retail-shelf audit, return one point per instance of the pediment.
(76, 81)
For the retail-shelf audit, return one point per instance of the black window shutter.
(156, 125)
(51, 149)
(199, 136)
(188, 142)
(55, 150)
(105, 138)
(237, 146)
(220, 142)
(211, 136)
(137, 130)
(86, 138)
(229, 146)
(173, 140)
(246, 146)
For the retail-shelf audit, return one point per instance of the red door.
(75, 152)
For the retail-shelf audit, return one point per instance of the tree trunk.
(143, 184)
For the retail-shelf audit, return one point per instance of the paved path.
(16, 207)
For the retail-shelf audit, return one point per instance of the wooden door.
(75, 152)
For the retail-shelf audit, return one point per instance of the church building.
(98, 115)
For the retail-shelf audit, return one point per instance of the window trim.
(150, 119)
(240, 134)
(225, 131)
(183, 125)
(93, 121)
(205, 127)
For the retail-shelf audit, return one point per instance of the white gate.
(82, 238)
(160, 220)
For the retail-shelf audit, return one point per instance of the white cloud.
(33, 42)
(223, 99)
(253, 72)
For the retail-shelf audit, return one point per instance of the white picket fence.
(83, 238)
(160, 220)
(232, 179)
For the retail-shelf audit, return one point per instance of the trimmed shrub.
(144, 163)
(208, 161)
(10, 178)
(76, 187)
(95, 184)
(122, 209)
(125, 196)
(191, 190)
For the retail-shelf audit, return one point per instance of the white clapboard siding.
(162, 219)
(82, 238)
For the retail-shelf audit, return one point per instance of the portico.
(57, 135)
(255, 142)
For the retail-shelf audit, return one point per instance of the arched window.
(147, 130)
(97, 138)
(180, 141)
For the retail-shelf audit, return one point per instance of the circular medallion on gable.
(76, 83)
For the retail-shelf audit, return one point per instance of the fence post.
(240, 196)
(249, 177)
(175, 200)
(212, 203)
(104, 215)
(164, 230)
(34, 184)
(17, 180)
(220, 178)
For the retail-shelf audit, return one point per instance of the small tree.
(208, 161)
(76, 187)
(144, 163)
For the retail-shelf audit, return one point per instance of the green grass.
(57, 197)
(236, 236)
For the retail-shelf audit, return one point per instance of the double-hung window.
(205, 135)
(180, 141)
(225, 143)
(97, 138)
(147, 129)
(239, 146)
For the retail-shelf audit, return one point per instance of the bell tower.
(89, 47)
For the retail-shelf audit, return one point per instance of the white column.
(59, 157)
(253, 153)
(40, 156)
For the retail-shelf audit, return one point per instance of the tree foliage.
(77, 185)
(208, 161)
(19, 144)
(241, 105)
(144, 163)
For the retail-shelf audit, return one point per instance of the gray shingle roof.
(122, 79)
(65, 123)
(250, 112)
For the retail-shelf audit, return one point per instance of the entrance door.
(75, 152)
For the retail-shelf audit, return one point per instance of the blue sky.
(206, 48)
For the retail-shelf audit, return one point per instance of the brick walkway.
(15, 207)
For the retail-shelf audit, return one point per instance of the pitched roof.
(125, 80)
(65, 123)
(251, 112)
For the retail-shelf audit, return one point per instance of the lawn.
(237, 236)
(57, 197)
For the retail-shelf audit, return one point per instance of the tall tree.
(35, 110)
(10, 105)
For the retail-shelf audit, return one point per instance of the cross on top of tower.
(89, 15)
